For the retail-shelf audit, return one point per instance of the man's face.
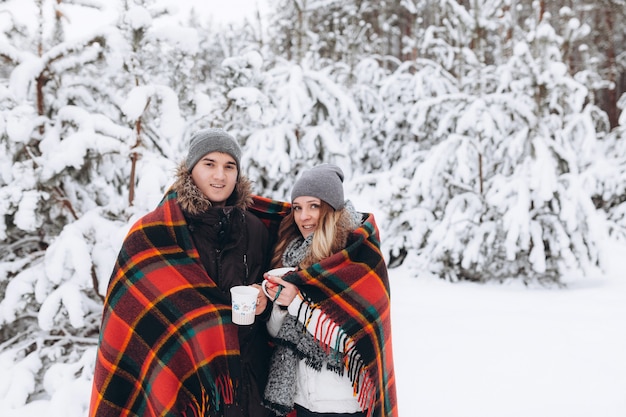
(215, 175)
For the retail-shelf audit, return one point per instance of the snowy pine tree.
(59, 152)
(78, 118)
(497, 189)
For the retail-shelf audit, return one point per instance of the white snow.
(465, 350)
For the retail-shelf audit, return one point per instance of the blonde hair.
(324, 241)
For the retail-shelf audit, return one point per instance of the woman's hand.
(280, 291)
(261, 300)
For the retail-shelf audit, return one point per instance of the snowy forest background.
(490, 134)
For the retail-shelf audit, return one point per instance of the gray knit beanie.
(323, 181)
(212, 140)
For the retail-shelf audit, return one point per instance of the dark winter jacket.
(234, 249)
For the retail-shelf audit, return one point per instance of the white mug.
(244, 304)
(276, 272)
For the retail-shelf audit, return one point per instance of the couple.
(321, 346)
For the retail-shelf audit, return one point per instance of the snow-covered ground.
(472, 350)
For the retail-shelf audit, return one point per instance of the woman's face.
(306, 213)
(215, 175)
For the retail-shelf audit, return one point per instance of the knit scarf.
(296, 251)
(168, 346)
(351, 288)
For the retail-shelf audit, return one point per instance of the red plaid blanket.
(167, 347)
(352, 288)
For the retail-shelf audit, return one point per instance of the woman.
(331, 318)
(168, 346)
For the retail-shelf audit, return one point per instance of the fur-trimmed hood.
(193, 201)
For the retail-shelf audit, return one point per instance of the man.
(168, 346)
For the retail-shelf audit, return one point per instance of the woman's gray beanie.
(212, 140)
(323, 181)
